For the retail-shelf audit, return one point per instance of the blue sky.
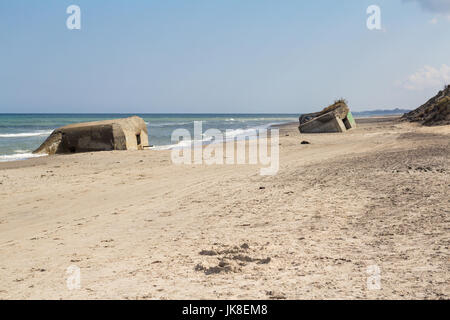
(220, 56)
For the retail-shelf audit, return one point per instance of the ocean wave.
(168, 124)
(228, 135)
(25, 134)
(267, 119)
(183, 143)
(250, 132)
(19, 156)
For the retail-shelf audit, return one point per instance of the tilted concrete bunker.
(118, 134)
(335, 118)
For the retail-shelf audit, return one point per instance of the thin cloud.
(434, 20)
(428, 77)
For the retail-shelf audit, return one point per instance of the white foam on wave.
(183, 144)
(168, 124)
(233, 133)
(228, 135)
(19, 156)
(25, 134)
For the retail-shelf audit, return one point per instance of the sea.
(20, 134)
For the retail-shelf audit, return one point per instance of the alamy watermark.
(73, 280)
(215, 147)
(374, 19)
(73, 22)
(373, 22)
(374, 279)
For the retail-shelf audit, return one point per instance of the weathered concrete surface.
(328, 122)
(339, 108)
(118, 134)
(335, 118)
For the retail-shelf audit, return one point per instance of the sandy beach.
(140, 227)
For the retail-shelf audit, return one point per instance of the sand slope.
(140, 227)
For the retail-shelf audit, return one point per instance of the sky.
(220, 56)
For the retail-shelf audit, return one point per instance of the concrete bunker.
(118, 134)
(335, 118)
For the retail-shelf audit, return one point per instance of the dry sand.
(139, 227)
